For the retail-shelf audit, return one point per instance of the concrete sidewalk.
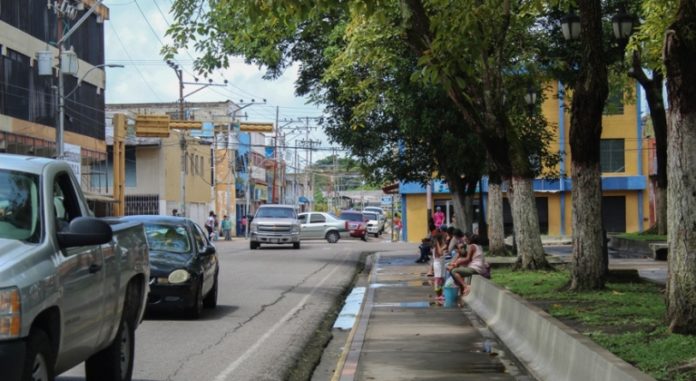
(404, 333)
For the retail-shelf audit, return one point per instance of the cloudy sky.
(133, 37)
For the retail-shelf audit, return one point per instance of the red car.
(355, 223)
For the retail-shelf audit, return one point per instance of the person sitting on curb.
(426, 244)
(472, 263)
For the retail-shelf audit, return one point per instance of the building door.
(614, 213)
(542, 204)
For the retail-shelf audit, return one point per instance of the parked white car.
(375, 222)
(319, 225)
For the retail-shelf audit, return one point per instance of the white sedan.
(320, 225)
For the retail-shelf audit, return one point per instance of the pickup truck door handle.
(93, 268)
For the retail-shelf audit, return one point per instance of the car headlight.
(178, 276)
(295, 228)
(10, 313)
(253, 228)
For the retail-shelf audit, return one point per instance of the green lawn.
(626, 318)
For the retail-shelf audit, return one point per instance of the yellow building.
(624, 162)
(163, 174)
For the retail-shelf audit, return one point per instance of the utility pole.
(60, 128)
(274, 197)
(183, 145)
(182, 140)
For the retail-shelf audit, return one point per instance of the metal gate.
(142, 204)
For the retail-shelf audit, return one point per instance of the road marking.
(233, 366)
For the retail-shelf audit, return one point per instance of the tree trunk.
(588, 264)
(653, 95)
(589, 97)
(525, 219)
(661, 209)
(496, 233)
(679, 55)
(659, 120)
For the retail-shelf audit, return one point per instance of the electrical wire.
(123, 46)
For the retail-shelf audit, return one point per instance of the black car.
(183, 265)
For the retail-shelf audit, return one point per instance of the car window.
(166, 237)
(65, 203)
(19, 206)
(352, 217)
(317, 218)
(275, 213)
(302, 218)
(199, 236)
(370, 216)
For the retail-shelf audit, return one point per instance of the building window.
(612, 155)
(14, 84)
(614, 104)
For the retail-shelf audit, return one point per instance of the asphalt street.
(269, 303)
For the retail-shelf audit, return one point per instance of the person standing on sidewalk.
(226, 227)
(396, 223)
(438, 217)
(439, 248)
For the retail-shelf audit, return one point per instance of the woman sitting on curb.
(466, 265)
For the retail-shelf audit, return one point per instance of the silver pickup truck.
(275, 224)
(72, 287)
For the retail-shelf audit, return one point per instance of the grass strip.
(625, 318)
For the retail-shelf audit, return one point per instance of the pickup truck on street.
(73, 288)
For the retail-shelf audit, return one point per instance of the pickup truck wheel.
(210, 300)
(253, 245)
(196, 309)
(332, 237)
(115, 362)
(39, 357)
(296, 245)
(376, 235)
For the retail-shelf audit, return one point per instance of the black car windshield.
(352, 217)
(19, 206)
(166, 237)
(275, 213)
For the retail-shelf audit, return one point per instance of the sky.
(134, 35)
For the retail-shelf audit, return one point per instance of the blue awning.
(303, 200)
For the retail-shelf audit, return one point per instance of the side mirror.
(85, 231)
(209, 250)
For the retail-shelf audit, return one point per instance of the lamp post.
(530, 97)
(622, 25)
(60, 131)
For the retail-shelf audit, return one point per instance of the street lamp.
(570, 26)
(622, 24)
(60, 143)
(531, 96)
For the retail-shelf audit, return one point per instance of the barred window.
(612, 155)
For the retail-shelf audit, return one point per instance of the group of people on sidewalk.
(212, 224)
(454, 254)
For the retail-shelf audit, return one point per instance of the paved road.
(269, 303)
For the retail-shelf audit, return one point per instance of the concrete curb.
(549, 349)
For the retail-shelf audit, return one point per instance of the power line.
(123, 46)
